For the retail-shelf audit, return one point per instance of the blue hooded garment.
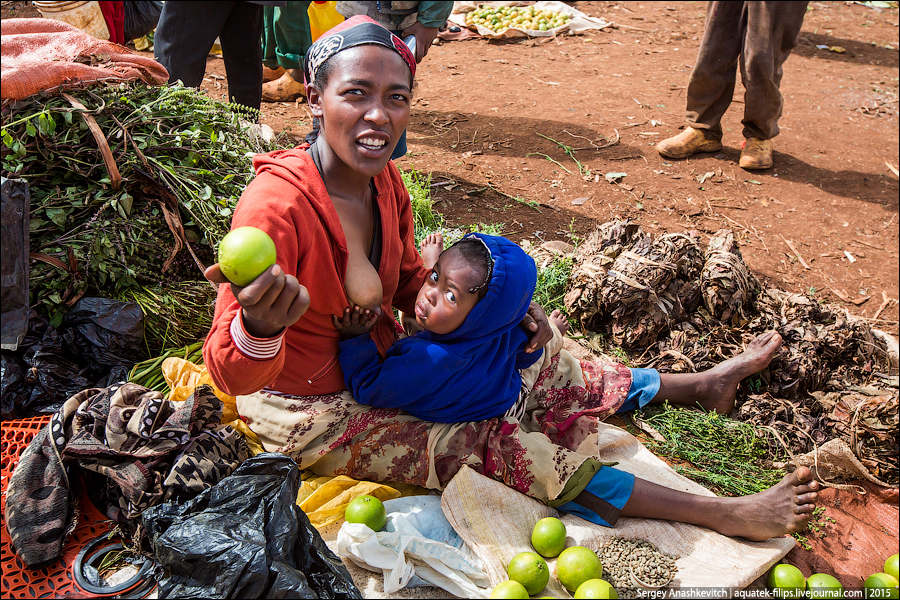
(470, 374)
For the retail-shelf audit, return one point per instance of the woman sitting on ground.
(342, 223)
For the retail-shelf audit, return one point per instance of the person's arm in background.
(431, 17)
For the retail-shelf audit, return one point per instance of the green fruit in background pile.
(549, 537)
(524, 18)
(891, 567)
(509, 589)
(881, 585)
(576, 565)
(786, 581)
(822, 585)
(367, 510)
(595, 588)
(245, 253)
(530, 570)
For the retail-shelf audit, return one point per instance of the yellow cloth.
(183, 376)
(324, 499)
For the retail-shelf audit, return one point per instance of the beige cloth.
(496, 523)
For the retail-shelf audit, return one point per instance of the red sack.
(856, 544)
(45, 54)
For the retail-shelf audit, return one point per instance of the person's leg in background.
(711, 85)
(184, 36)
(271, 69)
(286, 38)
(242, 51)
(773, 30)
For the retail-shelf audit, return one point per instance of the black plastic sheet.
(16, 202)
(96, 345)
(141, 17)
(245, 538)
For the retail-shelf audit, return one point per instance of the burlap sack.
(834, 462)
(496, 523)
(42, 55)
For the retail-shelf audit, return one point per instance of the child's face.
(444, 301)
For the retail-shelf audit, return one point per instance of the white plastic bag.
(418, 547)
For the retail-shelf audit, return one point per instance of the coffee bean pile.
(620, 556)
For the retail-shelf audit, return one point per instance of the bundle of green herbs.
(149, 222)
(730, 457)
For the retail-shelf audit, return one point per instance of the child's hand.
(355, 322)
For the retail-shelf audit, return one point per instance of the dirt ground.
(490, 119)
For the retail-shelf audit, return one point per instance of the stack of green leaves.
(172, 146)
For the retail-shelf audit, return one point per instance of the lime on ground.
(509, 589)
(881, 585)
(823, 585)
(367, 510)
(529, 569)
(244, 253)
(890, 566)
(549, 537)
(596, 588)
(786, 581)
(576, 565)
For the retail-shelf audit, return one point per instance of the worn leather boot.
(272, 74)
(283, 89)
(757, 154)
(687, 143)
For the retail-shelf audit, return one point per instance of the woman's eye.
(400, 97)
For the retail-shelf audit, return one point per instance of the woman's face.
(364, 107)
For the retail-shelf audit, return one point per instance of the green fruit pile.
(577, 567)
(525, 18)
(786, 581)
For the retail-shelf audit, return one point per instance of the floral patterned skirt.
(536, 455)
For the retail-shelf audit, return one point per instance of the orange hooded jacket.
(288, 200)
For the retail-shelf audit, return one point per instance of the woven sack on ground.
(42, 55)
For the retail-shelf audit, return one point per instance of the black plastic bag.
(96, 345)
(141, 17)
(16, 202)
(245, 538)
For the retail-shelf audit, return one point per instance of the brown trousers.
(759, 35)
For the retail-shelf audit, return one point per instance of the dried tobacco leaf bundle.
(639, 296)
(726, 282)
(592, 259)
(868, 422)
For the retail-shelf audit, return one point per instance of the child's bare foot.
(721, 382)
(558, 319)
(430, 248)
(784, 508)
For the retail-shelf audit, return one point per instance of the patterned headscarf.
(355, 31)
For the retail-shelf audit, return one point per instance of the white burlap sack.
(579, 21)
(496, 522)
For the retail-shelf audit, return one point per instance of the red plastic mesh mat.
(55, 580)
(45, 55)
(856, 544)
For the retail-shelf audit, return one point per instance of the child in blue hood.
(464, 364)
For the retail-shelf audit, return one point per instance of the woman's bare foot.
(721, 382)
(784, 508)
(430, 248)
(558, 319)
